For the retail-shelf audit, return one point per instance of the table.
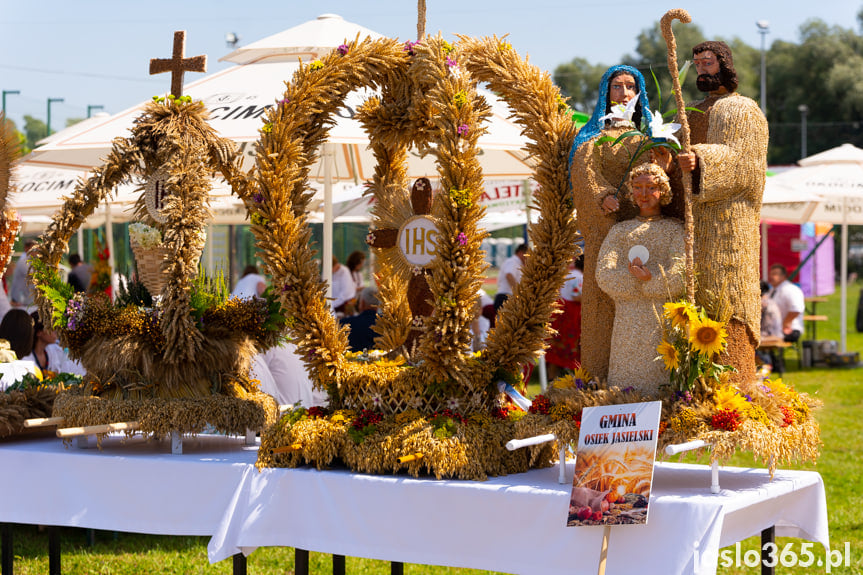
(514, 523)
(134, 485)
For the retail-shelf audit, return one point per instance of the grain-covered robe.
(596, 172)
(730, 141)
(638, 304)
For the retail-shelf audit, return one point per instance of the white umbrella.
(837, 176)
(309, 40)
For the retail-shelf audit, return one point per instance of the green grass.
(840, 465)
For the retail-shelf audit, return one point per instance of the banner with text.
(614, 464)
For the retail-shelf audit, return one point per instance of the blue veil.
(594, 126)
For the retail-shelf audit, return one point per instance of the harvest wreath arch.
(183, 362)
(378, 405)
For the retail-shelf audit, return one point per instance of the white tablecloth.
(135, 486)
(513, 524)
(516, 524)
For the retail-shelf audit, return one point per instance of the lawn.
(841, 466)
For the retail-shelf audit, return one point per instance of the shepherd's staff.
(668, 34)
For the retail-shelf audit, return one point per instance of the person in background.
(482, 321)
(251, 284)
(564, 349)
(21, 293)
(17, 329)
(5, 304)
(361, 336)
(344, 290)
(771, 324)
(355, 263)
(790, 301)
(80, 274)
(47, 354)
(509, 276)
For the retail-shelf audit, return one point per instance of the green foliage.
(30, 381)
(276, 320)
(54, 288)
(133, 293)
(34, 130)
(207, 292)
(579, 80)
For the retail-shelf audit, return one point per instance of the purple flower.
(461, 238)
(451, 62)
(684, 395)
(287, 287)
(748, 397)
(258, 197)
(463, 130)
(628, 389)
(285, 101)
(409, 47)
(343, 49)
(579, 383)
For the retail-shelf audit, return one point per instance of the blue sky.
(97, 52)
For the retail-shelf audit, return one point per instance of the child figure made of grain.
(641, 267)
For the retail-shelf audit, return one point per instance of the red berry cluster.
(366, 418)
(727, 419)
(787, 415)
(540, 405)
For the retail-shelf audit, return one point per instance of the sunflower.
(707, 336)
(680, 313)
(729, 398)
(669, 355)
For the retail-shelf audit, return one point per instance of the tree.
(651, 58)
(822, 72)
(579, 80)
(34, 130)
(73, 121)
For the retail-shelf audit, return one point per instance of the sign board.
(614, 464)
(417, 240)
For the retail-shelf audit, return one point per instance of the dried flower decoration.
(447, 47)
(460, 197)
(463, 130)
(409, 47)
(460, 98)
(258, 198)
(461, 238)
(267, 128)
(504, 46)
(316, 65)
(285, 101)
(343, 49)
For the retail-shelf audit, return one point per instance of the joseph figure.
(728, 164)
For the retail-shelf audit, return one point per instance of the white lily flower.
(659, 129)
(621, 112)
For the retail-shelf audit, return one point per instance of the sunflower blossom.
(729, 398)
(680, 313)
(707, 336)
(669, 355)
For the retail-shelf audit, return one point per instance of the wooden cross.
(177, 65)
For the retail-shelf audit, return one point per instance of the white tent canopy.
(309, 40)
(238, 98)
(836, 176)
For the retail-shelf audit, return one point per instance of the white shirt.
(247, 287)
(284, 376)
(58, 361)
(789, 298)
(344, 288)
(21, 290)
(483, 325)
(572, 286)
(512, 265)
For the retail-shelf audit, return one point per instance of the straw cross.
(178, 65)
